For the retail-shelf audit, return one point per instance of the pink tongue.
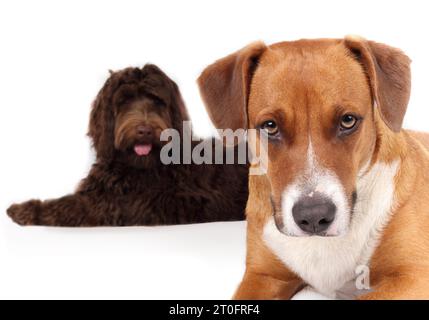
(142, 149)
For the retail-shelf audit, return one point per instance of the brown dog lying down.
(129, 185)
(343, 207)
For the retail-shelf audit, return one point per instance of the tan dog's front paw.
(26, 213)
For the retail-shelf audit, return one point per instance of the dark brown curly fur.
(125, 188)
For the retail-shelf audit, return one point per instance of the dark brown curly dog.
(129, 185)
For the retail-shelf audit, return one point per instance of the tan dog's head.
(323, 105)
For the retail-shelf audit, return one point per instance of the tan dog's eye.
(270, 127)
(348, 122)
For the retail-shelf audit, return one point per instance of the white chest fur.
(327, 263)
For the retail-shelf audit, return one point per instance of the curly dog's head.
(130, 112)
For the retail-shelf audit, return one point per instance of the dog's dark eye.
(159, 102)
(270, 127)
(349, 123)
(156, 100)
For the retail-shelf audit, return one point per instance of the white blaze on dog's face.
(314, 102)
(316, 203)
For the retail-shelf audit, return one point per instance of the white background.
(54, 57)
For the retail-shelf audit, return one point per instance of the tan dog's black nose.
(144, 131)
(314, 213)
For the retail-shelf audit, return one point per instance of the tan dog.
(346, 187)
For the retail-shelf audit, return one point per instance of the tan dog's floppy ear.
(388, 70)
(225, 85)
